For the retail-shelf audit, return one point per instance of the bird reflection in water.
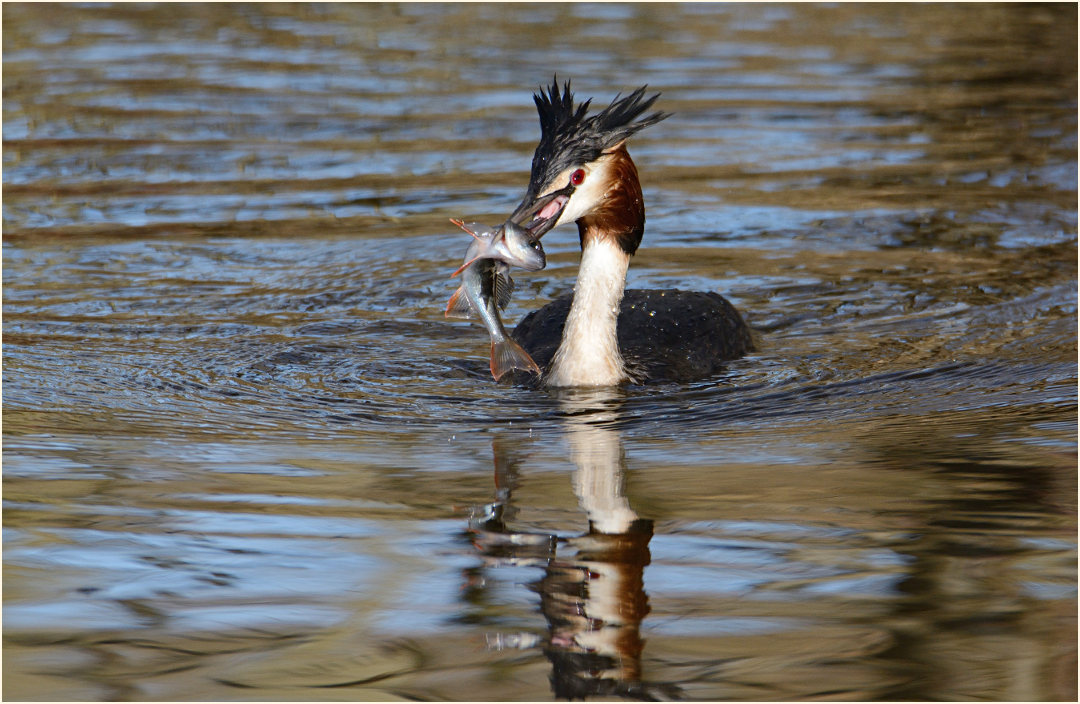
(592, 591)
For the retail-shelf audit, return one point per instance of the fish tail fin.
(458, 305)
(506, 355)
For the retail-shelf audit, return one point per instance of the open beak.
(537, 216)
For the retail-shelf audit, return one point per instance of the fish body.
(486, 287)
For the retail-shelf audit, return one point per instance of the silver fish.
(486, 287)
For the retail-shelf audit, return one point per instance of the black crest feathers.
(569, 137)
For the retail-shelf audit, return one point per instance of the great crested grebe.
(601, 335)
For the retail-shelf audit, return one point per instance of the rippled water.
(246, 457)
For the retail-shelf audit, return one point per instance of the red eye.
(577, 178)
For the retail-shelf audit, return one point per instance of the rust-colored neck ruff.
(620, 216)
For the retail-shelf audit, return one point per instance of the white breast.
(589, 352)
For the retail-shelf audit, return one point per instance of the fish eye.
(577, 178)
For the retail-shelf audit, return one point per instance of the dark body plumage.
(664, 335)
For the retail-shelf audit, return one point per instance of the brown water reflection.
(246, 457)
(592, 591)
(957, 585)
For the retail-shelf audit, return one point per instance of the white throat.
(589, 352)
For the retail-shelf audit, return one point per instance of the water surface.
(246, 457)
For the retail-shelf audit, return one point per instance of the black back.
(664, 335)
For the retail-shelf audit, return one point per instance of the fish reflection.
(592, 591)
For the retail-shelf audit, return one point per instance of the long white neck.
(589, 352)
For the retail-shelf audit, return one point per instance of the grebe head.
(581, 171)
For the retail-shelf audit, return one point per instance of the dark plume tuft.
(568, 137)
